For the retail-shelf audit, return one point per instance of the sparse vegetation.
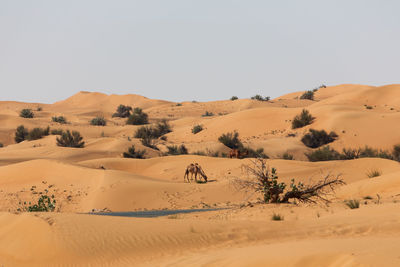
(98, 121)
(133, 153)
(231, 140)
(323, 154)
(138, 117)
(260, 98)
(56, 132)
(277, 217)
(374, 173)
(287, 156)
(308, 95)
(1, 145)
(317, 138)
(352, 203)
(175, 150)
(26, 113)
(37, 133)
(248, 152)
(303, 119)
(20, 134)
(39, 109)
(197, 128)
(68, 139)
(155, 131)
(233, 98)
(44, 204)
(207, 114)
(122, 111)
(59, 119)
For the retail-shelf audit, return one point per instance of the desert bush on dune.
(20, 134)
(197, 128)
(68, 139)
(98, 121)
(26, 113)
(133, 153)
(260, 98)
(231, 140)
(323, 154)
(175, 150)
(208, 114)
(138, 117)
(251, 153)
(352, 203)
(155, 131)
(122, 111)
(317, 138)
(37, 133)
(265, 181)
(308, 95)
(233, 98)
(44, 204)
(56, 132)
(303, 119)
(59, 119)
(287, 156)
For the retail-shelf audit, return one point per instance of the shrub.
(162, 128)
(368, 107)
(144, 132)
(277, 217)
(231, 140)
(197, 128)
(175, 150)
(178, 104)
(251, 153)
(149, 142)
(132, 153)
(352, 204)
(38, 133)
(207, 114)
(44, 204)
(59, 119)
(1, 145)
(39, 109)
(260, 98)
(323, 154)
(20, 134)
(350, 153)
(70, 140)
(287, 156)
(138, 117)
(56, 132)
(308, 95)
(98, 121)
(373, 173)
(396, 152)
(26, 113)
(317, 138)
(303, 119)
(122, 111)
(233, 98)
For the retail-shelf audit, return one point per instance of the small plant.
(303, 119)
(68, 139)
(197, 128)
(231, 140)
(352, 203)
(37, 133)
(317, 138)
(39, 109)
(251, 153)
(207, 114)
(138, 117)
(20, 134)
(98, 121)
(277, 217)
(132, 153)
(175, 150)
(287, 156)
(122, 111)
(374, 173)
(308, 95)
(233, 98)
(369, 107)
(59, 119)
(44, 204)
(56, 132)
(260, 98)
(323, 154)
(26, 113)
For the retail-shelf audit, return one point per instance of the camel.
(194, 169)
(236, 153)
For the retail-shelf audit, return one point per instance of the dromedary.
(236, 153)
(194, 169)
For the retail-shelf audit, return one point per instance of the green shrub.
(175, 150)
(396, 152)
(352, 204)
(132, 153)
(44, 204)
(277, 217)
(26, 113)
(251, 153)
(317, 138)
(122, 111)
(59, 119)
(323, 154)
(231, 140)
(233, 98)
(56, 132)
(260, 98)
(37, 133)
(287, 156)
(98, 121)
(20, 134)
(207, 114)
(303, 119)
(138, 117)
(161, 128)
(68, 139)
(197, 128)
(349, 153)
(308, 95)
(149, 142)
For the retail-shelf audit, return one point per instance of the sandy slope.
(98, 177)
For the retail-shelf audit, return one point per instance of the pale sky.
(194, 50)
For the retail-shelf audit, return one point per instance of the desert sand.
(241, 233)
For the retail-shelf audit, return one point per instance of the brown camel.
(194, 169)
(236, 153)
